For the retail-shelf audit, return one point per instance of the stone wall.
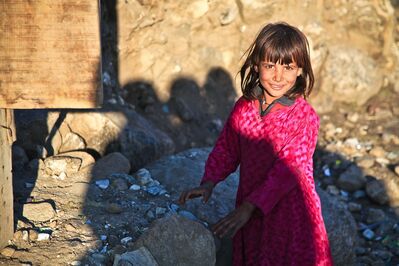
(352, 42)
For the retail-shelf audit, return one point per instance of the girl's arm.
(225, 156)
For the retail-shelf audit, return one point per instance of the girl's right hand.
(205, 190)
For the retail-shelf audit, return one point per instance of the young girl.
(271, 133)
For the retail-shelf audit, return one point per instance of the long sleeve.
(293, 165)
(225, 156)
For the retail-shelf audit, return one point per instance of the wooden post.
(7, 137)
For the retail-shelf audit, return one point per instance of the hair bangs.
(282, 48)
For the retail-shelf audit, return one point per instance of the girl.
(271, 133)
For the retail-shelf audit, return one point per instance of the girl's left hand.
(229, 225)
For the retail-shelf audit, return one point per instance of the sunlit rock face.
(352, 43)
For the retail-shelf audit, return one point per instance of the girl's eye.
(289, 68)
(269, 66)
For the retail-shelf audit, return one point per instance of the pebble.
(114, 208)
(375, 216)
(8, 252)
(76, 263)
(377, 152)
(354, 117)
(135, 187)
(375, 190)
(333, 190)
(382, 254)
(43, 237)
(120, 184)
(160, 211)
(103, 183)
(397, 170)
(103, 237)
(188, 215)
(143, 176)
(33, 235)
(358, 194)
(156, 190)
(366, 162)
(354, 207)
(368, 234)
(126, 240)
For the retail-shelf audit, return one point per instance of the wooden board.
(7, 137)
(50, 54)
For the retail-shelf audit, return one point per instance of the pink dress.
(276, 175)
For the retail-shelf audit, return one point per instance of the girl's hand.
(205, 190)
(229, 225)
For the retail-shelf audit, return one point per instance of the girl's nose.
(278, 73)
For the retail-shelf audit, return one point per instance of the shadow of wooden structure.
(50, 57)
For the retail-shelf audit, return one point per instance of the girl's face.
(277, 78)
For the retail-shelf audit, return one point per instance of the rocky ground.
(73, 210)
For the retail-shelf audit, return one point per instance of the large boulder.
(184, 170)
(175, 240)
(98, 131)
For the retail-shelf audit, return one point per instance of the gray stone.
(143, 176)
(351, 179)
(111, 163)
(120, 184)
(376, 191)
(138, 257)
(166, 237)
(354, 207)
(375, 216)
(38, 212)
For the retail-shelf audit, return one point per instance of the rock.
(352, 85)
(111, 163)
(38, 212)
(134, 187)
(377, 152)
(33, 235)
(72, 142)
(198, 8)
(102, 183)
(397, 170)
(166, 236)
(140, 256)
(56, 166)
(120, 184)
(8, 252)
(43, 237)
(351, 179)
(114, 208)
(375, 216)
(368, 234)
(86, 158)
(376, 191)
(143, 176)
(184, 170)
(126, 240)
(354, 207)
(365, 162)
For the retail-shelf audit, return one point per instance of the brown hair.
(283, 43)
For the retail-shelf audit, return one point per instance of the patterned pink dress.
(276, 175)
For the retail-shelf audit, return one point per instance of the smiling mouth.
(275, 87)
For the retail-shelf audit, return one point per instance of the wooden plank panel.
(7, 137)
(50, 54)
